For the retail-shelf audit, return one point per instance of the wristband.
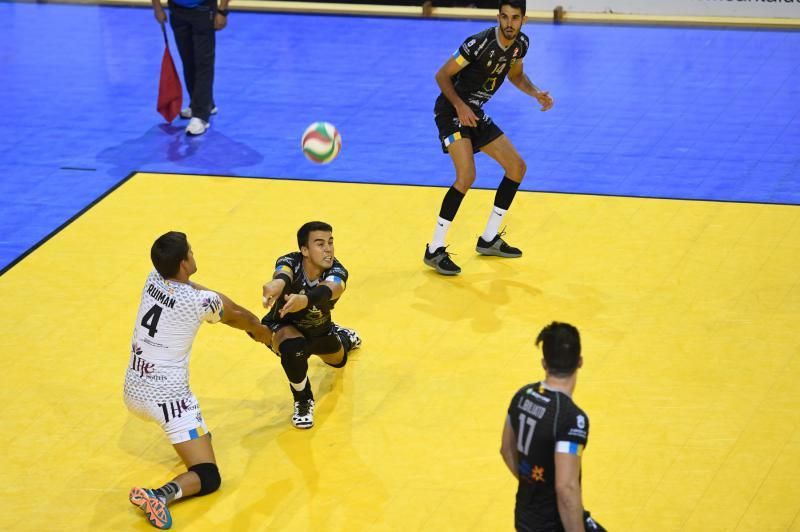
(223, 12)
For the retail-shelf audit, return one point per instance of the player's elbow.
(568, 491)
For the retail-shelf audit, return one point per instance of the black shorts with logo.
(451, 130)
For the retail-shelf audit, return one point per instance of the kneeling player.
(304, 288)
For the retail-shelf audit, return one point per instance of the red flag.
(170, 93)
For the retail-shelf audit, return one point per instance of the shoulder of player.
(524, 40)
(479, 41)
(293, 258)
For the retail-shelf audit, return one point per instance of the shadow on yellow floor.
(688, 312)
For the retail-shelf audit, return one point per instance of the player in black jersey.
(304, 288)
(468, 80)
(544, 437)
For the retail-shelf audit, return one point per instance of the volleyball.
(321, 142)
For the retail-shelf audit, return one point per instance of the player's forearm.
(448, 89)
(523, 83)
(157, 5)
(570, 507)
(510, 459)
(241, 318)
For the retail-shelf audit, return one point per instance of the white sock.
(442, 226)
(493, 225)
(301, 386)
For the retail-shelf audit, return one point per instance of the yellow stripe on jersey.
(569, 447)
(283, 268)
(460, 59)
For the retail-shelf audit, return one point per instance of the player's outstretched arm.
(272, 290)
(324, 292)
(239, 317)
(508, 448)
(568, 491)
(521, 81)
(444, 78)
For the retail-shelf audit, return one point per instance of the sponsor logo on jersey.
(173, 409)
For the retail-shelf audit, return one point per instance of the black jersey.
(312, 320)
(545, 422)
(487, 65)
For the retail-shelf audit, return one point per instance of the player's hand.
(466, 115)
(262, 334)
(161, 17)
(220, 21)
(545, 100)
(294, 303)
(272, 290)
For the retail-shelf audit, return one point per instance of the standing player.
(543, 439)
(157, 379)
(310, 282)
(468, 80)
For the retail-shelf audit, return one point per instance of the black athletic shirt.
(545, 422)
(487, 64)
(311, 320)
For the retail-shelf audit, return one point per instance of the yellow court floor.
(689, 314)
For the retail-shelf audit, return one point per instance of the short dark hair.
(519, 4)
(167, 253)
(561, 345)
(305, 230)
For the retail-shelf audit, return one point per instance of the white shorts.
(163, 395)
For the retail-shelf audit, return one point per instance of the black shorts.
(450, 128)
(319, 341)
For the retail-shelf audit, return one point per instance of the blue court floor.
(641, 111)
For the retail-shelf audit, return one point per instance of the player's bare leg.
(202, 477)
(491, 242)
(436, 255)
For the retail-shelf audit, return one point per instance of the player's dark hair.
(519, 4)
(167, 253)
(561, 345)
(305, 230)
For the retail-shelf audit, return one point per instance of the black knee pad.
(294, 358)
(209, 477)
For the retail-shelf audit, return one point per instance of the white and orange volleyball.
(321, 142)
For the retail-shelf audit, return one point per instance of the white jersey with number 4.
(170, 314)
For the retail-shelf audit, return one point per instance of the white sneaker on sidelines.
(187, 112)
(197, 127)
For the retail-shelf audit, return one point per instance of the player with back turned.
(544, 437)
(467, 81)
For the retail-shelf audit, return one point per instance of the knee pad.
(209, 477)
(294, 358)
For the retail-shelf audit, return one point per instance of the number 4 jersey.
(545, 422)
(169, 316)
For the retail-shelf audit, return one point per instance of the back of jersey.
(545, 422)
(169, 315)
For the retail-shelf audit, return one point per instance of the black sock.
(505, 193)
(450, 204)
(303, 395)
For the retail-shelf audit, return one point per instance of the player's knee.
(516, 170)
(294, 358)
(210, 479)
(465, 178)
